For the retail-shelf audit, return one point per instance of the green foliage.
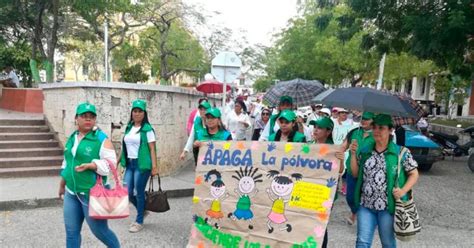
(17, 55)
(262, 84)
(133, 74)
(324, 44)
(451, 90)
(434, 30)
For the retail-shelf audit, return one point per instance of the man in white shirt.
(12, 80)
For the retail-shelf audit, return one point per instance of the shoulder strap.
(401, 154)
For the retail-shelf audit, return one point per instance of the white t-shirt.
(132, 141)
(12, 75)
(236, 128)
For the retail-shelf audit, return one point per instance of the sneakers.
(135, 227)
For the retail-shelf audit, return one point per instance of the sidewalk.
(36, 192)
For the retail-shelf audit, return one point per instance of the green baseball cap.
(288, 115)
(323, 122)
(286, 99)
(139, 104)
(205, 105)
(215, 112)
(383, 120)
(84, 108)
(368, 116)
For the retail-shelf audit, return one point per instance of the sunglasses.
(265, 113)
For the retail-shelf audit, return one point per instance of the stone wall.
(168, 110)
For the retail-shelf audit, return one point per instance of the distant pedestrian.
(238, 121)
(260, 123)
(139, 159)
(11, 81)
(85, 158)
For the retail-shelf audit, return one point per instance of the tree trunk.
(52, 42)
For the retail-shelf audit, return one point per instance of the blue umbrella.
(367, 99)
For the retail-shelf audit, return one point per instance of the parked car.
(424, 150)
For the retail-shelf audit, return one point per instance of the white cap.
(342, 110)
(326, 111)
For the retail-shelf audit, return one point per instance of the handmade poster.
(263, 194)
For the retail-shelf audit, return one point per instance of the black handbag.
(156, 201)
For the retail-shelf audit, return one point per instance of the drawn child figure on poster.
(218, 193)
(248, 178)
(279, 193)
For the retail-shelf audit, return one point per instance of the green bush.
(133, 74)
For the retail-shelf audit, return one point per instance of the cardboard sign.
(263, 194)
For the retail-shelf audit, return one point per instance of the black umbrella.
(367, 99)
(302, 91)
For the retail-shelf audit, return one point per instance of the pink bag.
(109, 203)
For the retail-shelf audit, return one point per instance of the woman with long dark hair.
(139, 158)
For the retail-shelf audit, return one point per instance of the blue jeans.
(75, 213)
(136, 182)
(350, 189)
(367, 220)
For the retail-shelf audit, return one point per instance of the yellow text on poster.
(309, 196)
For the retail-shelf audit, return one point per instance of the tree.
(38, 22)
(262, 84)
(18, 56)
(434, 30)
(451, 91)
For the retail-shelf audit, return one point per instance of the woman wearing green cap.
(363, 135)
(287, 132)
(85, 157)
(375, 167)
(286, 103)
(139, 158)
(214, 129)
(322, 134)
(199, 124)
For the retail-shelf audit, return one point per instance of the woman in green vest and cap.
(85, 157)
(375, 167)
(139, 158)
(363, 135)
(287, 132)
(199, 124)
(214, 129)
(322, 134)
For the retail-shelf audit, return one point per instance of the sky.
(258, 18)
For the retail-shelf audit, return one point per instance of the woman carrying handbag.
(86, 155)
(379, 184)
(139, 159)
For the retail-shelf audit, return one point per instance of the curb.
(55, 202)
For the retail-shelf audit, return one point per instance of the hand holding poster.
(258, 194)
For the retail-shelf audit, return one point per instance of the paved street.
(444, 196)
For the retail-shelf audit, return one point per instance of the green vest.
(298, 137)
(203, 135)
(88, 149)
(198, 126)
(358, 135)
(144, 155)
(391, 162)
(273, 120)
